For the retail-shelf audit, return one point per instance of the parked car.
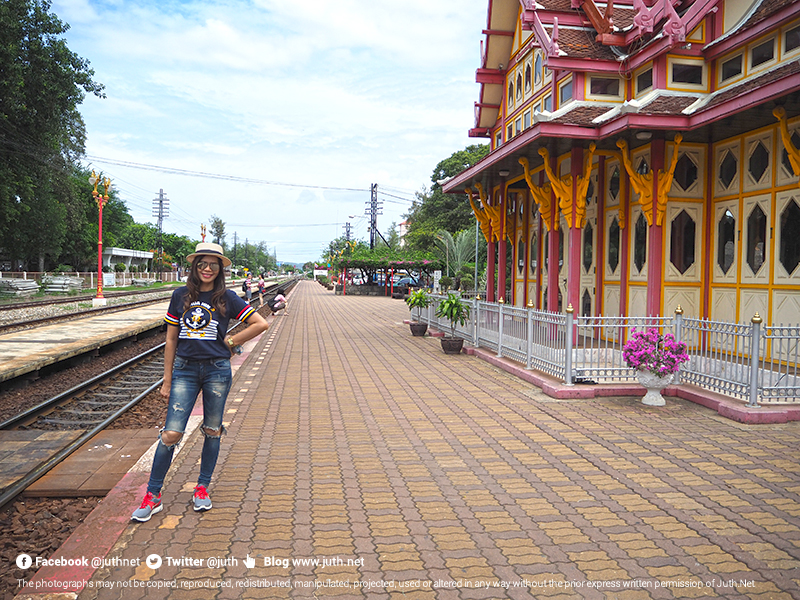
(406, 282)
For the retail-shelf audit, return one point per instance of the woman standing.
(197, 357)
(262, 287)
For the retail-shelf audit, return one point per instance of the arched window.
(726, 236)
(613, 245)
(790, 237)
(756, 239)
(640, 243)
(537, 70)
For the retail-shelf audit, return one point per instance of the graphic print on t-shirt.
(198, 323)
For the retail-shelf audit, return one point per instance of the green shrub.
(418, 299)
(119, 267)
(445, 282)
(455, 310)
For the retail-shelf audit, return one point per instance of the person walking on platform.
(247, 287)
(262, 287)
(197, 357)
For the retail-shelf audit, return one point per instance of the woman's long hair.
(217, 293)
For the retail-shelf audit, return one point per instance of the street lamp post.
(100, 199)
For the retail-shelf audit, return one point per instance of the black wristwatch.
(235, 349)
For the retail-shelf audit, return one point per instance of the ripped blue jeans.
(189, 377)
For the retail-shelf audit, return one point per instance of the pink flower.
(653, 352)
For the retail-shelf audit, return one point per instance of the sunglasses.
(202, 265)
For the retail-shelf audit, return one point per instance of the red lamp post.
(100, 199)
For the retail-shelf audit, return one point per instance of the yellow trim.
(673, 59)
(700, 39)
(740, 52)
(775, 36)
(636, 92)
(587, 89)
(781, 38)
(569, 79)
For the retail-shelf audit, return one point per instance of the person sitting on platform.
(197, 357)
(278, 303)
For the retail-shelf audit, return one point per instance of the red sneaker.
(150, 506)
(201, 499)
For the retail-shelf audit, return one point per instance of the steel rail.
(35, 411)
(15, 489)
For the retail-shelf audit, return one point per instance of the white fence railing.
(90, 277)
(747, 361)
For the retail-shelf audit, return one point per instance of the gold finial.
(501, 300)
(757, 319)
(530, 303)
(679, 310)
(570, 310)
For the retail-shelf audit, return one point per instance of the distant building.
(641, 157)
(137, 258)
(402, 230)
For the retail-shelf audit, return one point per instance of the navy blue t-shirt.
(202, 328)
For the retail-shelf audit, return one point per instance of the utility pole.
(374, 209)
(160, 212)
(234, 249)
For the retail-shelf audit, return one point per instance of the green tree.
(217, 229)
(433, 210)
(393, 237)
(42, 133)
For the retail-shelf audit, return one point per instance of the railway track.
(9, 327)
(93, 402)
(89, 407)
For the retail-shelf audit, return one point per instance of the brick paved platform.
(405, 471)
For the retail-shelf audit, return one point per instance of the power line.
(173, 171)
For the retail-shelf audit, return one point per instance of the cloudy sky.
(276, 115)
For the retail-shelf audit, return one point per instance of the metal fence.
(747, 361)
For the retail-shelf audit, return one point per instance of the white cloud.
(317, 93)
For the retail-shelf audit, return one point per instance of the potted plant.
(455, 310)
(418, 299)
(656, 358)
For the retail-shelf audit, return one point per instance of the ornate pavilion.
(644, 155)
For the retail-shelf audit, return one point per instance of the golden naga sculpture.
(794, 154)
(541, 194)
(498, 218)
(583, 186)
(563, 187)
(491, 218)
(642, 183)
(480, 214)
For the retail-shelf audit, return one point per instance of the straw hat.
(209, 249)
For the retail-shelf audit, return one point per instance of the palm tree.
(457, 250)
